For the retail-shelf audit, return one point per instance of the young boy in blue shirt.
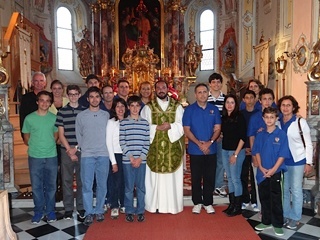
(134, 141)
(270, 148)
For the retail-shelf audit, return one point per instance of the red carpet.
(182, 226)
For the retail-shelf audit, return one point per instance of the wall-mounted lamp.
(281, 64)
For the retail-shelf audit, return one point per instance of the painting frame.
(120, 11)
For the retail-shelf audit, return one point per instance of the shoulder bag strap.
(301, 133)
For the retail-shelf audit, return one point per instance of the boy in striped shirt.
(134, 141)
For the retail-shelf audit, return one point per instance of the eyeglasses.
(73, 94)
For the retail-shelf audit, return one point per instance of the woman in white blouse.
(118, 112)
(300, 161)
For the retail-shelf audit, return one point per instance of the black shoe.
(231, 204)
(237, 208)
(68, 215)
(88, 220)
(129, 218)
(141, 218)
(81, 213)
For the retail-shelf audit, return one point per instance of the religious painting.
(315, 95)
(228, 52)
(45, 53)
(139, 24)
(39, 5)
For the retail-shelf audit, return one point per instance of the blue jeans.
(43, 175)
(219, 180)
(94, 167)
(292, 192)
(134, 177)
(116, 187)
(233, 171)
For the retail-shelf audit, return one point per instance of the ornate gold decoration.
(314, 71)
(193, 54)
(84, 50)
(140, 65)
(4, 77)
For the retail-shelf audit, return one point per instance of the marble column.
(6, 144)
(175, 38)
(313, 119)
(96, 38)
(104, 37)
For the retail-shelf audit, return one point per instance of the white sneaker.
(221, 192)
(255, 207)
(114, 213)
(197, 208)
(244, 206)
(209, 209)
(123, 210)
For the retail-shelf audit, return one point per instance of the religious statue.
(193, 54)
(84, 50)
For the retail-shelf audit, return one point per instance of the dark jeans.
(246, 169)
(203, 169)
(68, 167)
(271, 200)
(116, 184)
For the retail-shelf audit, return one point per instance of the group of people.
(104, 142)
(118, 144)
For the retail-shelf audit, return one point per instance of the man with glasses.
(70, 156)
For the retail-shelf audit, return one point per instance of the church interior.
(180, 41)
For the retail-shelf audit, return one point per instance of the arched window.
(207, 40)
(64, 42)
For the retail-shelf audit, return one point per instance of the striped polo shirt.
(218, 102)
(66, 118)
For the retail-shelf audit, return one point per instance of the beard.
(162, 96)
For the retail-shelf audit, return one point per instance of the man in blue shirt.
(202, 125)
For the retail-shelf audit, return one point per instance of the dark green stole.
(164, 156)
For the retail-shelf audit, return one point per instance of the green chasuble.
(164, 156)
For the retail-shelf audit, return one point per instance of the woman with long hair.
(59, 100)
(300, 161)
(234, 131)
(119, 111)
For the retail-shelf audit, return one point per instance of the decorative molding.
(304, 58)
(267, 6)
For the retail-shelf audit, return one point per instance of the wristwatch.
(78, 148)
(212, 141)
(235, 155)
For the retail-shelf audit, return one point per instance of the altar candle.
(102, 73)
(179, 73)
(169, 73)
(8, 48)
(122, 73)
(261, 78)
(112, 72)
(158, 73)
(286, 48)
